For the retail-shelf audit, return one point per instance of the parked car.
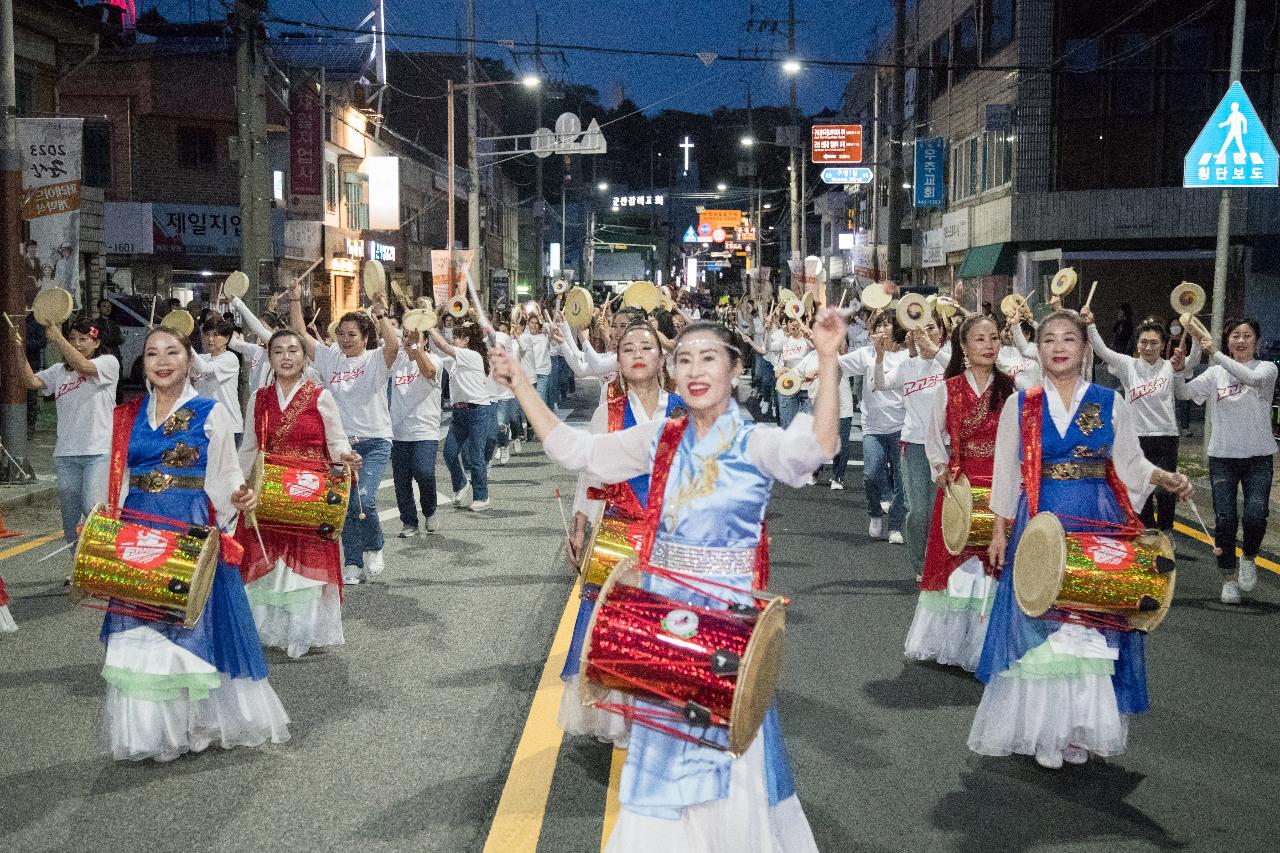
(130, 313)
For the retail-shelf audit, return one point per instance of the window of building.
(26, 92)
(998, 22)
(196, 148)
(331, 186)
(97, 154)
(965, 47)
(357, 207)
(997, 159)
(966, 169)
(940, 60)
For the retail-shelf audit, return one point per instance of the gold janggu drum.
(967, 519)
(612, 541)
(304, 496)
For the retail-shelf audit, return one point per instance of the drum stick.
(1195, 510)
(1089, 300)
(54, 553)
(152, 322)
(564, 519)
(355, 484)
(17, 336)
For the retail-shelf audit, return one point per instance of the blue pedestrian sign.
(690, 236)
(1233, 150)
(846, 175)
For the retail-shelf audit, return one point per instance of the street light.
(747, 141)
(531, 81)
(722, 186)
(603, 187)
(791, 66)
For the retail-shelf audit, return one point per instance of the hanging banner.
(51, 156)
(931, 155)
(444, 286)
(306, 152)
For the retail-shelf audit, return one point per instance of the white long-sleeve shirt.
(598, 426)
(218, 378)
(536, 351)
(1148, 388)
(882, 410)
(1239, 397)
(335, 435)
(1126, 453)
(586, 361)
(917, 379)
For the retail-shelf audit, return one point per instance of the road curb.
(28, 495)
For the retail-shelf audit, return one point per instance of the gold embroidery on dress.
(1090, 418)
(180, 455)
(700, 484)
(179, 421)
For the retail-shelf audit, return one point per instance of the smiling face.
(792, 327)
(1061, 348)
(350, 338)
(639, 356)
(704, 371)
(534, 324)
(287, 357)
(166, 361)
(86, 345)
(1242, 342)
(982, 343)
(1150, 345)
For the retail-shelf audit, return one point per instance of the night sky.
(833, 29)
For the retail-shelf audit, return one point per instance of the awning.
(995, 259)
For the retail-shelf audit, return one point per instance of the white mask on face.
(1175, 330)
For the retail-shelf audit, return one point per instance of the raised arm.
(298, 323)
(441, 342)
(1114, 360)
(251, 321)
(415, 346)
(1262, 376)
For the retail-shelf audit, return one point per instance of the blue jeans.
(789, 407)
(508, 418)
(561, 378)
(468, 432)
(360, 535)
(414, 461)
(546, 390)
(1228, 477)
(841, 462)
(881, 477)
(82, 483)
(921, 493)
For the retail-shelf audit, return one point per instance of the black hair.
(1230, 326)
(1001, 384)
(282, 333)
(86, 326)
(470, 329)
(365, 323)
(716, 329)
(665, 322)
(1151, 324)
(218, 327)
(642, 325)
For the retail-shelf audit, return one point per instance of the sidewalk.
(40, 452)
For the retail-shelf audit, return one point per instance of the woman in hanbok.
(172, 689)
(955, 591)
(295, 588)
(7, 625)
(1057, 687)
(720, 468)
(637, 396)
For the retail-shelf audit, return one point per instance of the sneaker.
(517, 446)
(373, 563)
(408, 532)
(504, 455)
(1231, 593)
(1074, 754)
(462, 499)
(351, 575)
(432, 526)
(1049, 760)
(837, 486)
(1248, 574)
(895, 537)
(480, 506)
(876, 529)
(885, 505)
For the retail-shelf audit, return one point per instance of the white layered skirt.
(7, 625)
(950, 625)
(162, 701)
(294, 613)
(576, 718)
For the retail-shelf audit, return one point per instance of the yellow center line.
(611, 804)
(1199, 536)
(517, 823)
(27, 546)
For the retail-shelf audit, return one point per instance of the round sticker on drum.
(1108, 553)
(301, 484)
(682, 623)
(144, 547)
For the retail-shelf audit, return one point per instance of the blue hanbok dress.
(575, 718)
(1053, 685)
(677, 795)
(172, 689)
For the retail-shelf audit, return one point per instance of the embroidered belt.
(157, 481)
(1074, 471)
(703, 561)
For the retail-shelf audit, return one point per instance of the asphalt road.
(419, 735)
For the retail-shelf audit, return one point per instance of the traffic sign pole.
(1224, 201)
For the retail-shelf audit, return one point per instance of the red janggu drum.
(712, 668)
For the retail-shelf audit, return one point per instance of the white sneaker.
(408, 532)
(876, 528)
(837, 486)
(462, 499)
(1231, 593)
(884, 505)
(516, 446)
(351, 575)
(1075, 754)
(373, 563)
(431, 524)
(895, 537)
(480, 506)
(504, 455)
(1049, 760)
(1248, 574)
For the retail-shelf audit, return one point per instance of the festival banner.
(51, 156)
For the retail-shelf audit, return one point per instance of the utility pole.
(539, 203)
(473, 161)
(1224, 201)
(791, 149)
(13, 416)
(256, 256)
(757, 212)
(894, 249)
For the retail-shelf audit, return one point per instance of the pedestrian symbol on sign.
(1233, 149)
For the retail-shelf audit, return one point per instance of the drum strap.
(1032, 422)
(122, 421)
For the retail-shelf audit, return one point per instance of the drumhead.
(1149, 621)
(202, 579)
(1039, 564)
(77, 594)
(578, 308)
(625, 572)
(758, 674)
(52, 306)
(957, 515)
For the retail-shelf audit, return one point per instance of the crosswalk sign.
(1233, 150)
(689, 236)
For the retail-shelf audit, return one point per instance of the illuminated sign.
(381, 251)
(638, 200)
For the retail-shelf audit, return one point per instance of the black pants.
(1162, 452)
(1229, 477)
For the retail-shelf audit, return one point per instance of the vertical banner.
(931, 152)
(51, 155)
(444, 286)
(306, 151)
(384, 192)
